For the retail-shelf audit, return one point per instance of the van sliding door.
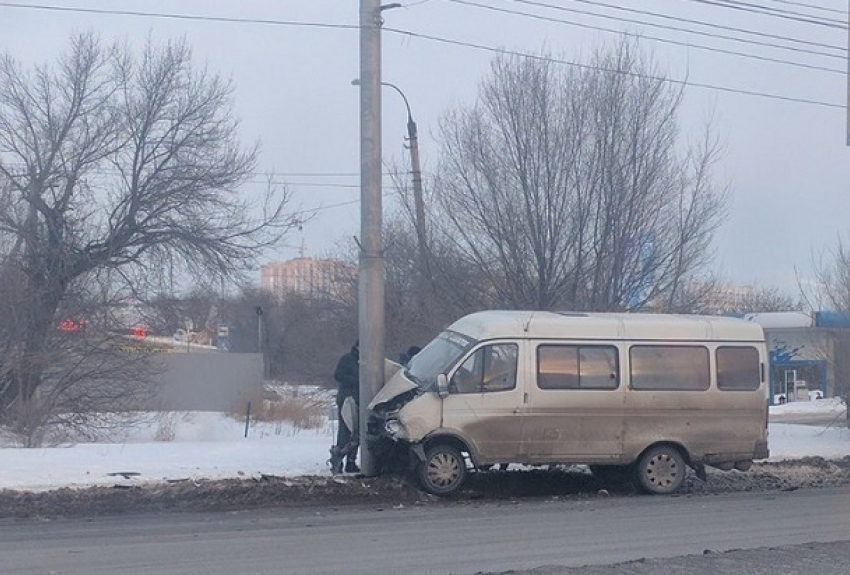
(575, 403)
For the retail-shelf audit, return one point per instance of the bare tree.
(832, 274)
(307, 336)
(123, 166)
(418, 305)
(167, 314)
(566, 188)
(766, 300)
(93, 379)
(429, 283)
(711, 296)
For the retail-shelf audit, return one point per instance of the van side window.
(667, 367)
(489, 368)
(738, 368)
(577, 367)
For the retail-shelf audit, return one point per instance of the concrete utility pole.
(370, 286)
(847, 134)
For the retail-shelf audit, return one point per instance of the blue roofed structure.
(804, 348)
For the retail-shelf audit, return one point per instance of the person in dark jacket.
(405, 357)
(347, 376)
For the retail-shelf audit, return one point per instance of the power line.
(257, 176)
(653, 38)
(272, 22)
(273, 178)
(810, 6)
(776, 11)
(171, 16)
(308, 184)
(341, 204)
(428, 37)
(317, 174)
(672, 18)
(320, 209)
(255, 179)
(314, 174)
(492, 49)
(757, 9)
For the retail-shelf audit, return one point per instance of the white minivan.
(638, 394)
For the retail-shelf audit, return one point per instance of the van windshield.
(437, 357)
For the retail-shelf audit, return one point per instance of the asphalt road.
(444, 538)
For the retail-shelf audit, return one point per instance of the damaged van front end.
(401, 411)
(400, 416)
(408, 408)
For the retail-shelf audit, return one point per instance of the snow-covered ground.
(203, 445)
(832, 407)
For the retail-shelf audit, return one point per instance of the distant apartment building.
(307, 276)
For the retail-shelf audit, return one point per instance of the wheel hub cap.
(443, 470)
(662, 471)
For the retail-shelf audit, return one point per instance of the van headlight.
(393, 427)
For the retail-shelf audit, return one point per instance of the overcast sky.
(783, 126)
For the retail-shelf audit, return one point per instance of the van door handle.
(524, 401)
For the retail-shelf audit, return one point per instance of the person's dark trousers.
(343, 438)
(343, 434)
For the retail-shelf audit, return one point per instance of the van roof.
(606, 326)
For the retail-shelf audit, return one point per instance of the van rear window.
(738, 368)
(666, 367)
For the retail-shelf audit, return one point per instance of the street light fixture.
(416, 172)
(411, 125)
(261, 348)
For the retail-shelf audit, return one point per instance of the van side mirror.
(442, 385)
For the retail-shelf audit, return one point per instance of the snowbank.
(789, 441)
(201, 445)
(831, 406)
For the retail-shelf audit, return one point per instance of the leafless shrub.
(166, 429)
(302, 410)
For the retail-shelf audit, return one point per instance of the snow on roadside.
(791, 441)
(205, 445)
(830, 406)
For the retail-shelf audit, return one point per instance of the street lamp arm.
(416, 172)
(406, 103)
(411, 124)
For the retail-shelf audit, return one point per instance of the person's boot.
(335, 461)
(351, 467)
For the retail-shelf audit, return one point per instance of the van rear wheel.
(661, 470)
(443, 470)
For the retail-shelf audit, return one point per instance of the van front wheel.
(661, 470)
(443, 470)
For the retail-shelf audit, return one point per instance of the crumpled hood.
(395, 384)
